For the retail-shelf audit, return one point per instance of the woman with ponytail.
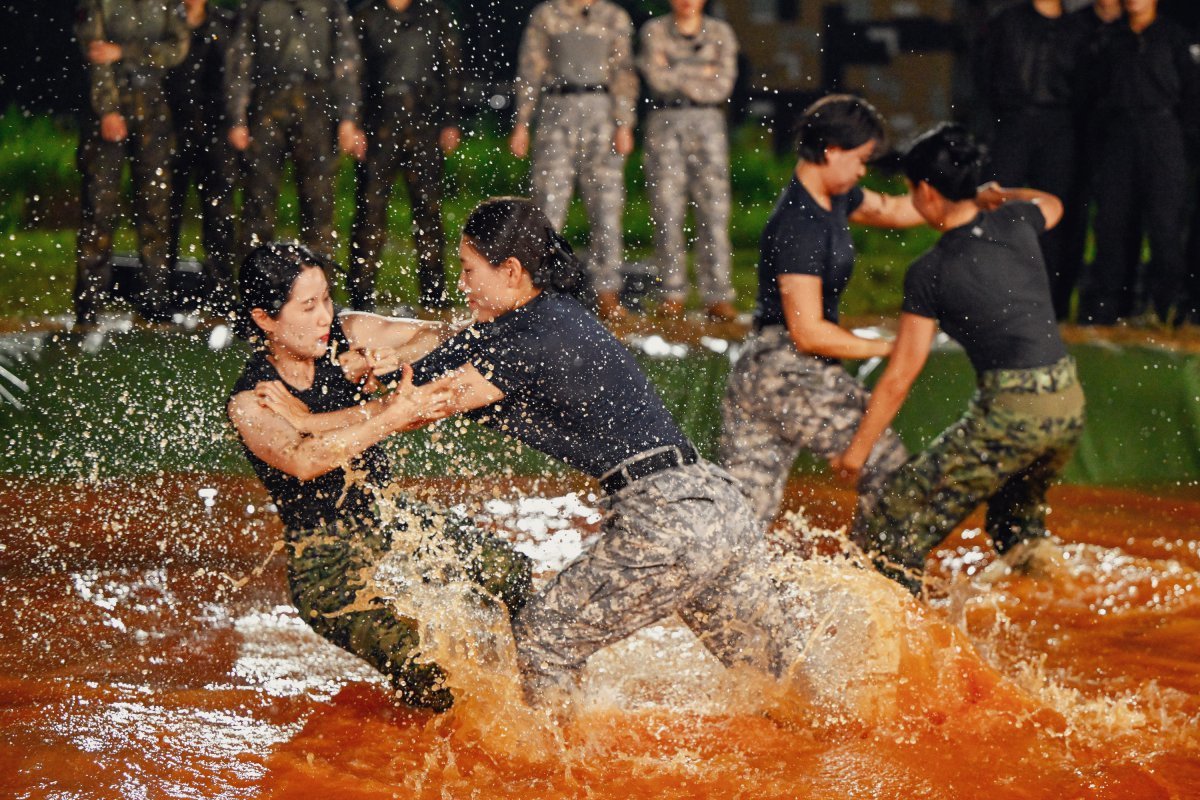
(985, 282)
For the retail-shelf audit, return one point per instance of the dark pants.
(290, 120)
(412, 152)
(1036, 147)
(147, 149)
(1141, 186)
(208, 159)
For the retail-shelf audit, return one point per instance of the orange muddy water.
(147, 649)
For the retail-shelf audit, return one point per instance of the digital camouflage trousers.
(1016, 437)
(779, 402)
(329, 567)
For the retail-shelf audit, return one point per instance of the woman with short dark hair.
(985, 282)
(788, 391)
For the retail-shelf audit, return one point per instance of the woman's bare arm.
(886, 211)
(407, 340)
(803, 309)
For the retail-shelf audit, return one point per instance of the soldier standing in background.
(1149, 93)
(576, 71)
(128, 45)
(689, 63)
(1031, 74)
(196, 94)
(293, 70)
(412, 66)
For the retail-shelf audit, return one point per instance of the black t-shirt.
(801, 238)
(986, 284)
(326, 498)
(1031, 60)
(571, 390)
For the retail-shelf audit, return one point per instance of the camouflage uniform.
(412, 62)
(576, 70)
(330, 570)
(678, 541)
(1015, 438)
(153, 38)
(196, 94)
(687, 150)
(779, 402)
(293, 73)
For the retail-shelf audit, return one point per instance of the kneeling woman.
(324, 478)
(985, 282)
(678, 536)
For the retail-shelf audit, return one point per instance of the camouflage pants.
(206, 157)
(687, 156)
(574, 143)
(678, 541)
(330, 566)
(414, 153)
(1014, 440)
(779, 402)
(147, 150)
(291, 120)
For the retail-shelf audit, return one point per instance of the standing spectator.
(576, 72)
(128, 45)
(1032, 54)
(412, 61)
(1148, 87)
(196, 94)
(293, 70)
(689, 63)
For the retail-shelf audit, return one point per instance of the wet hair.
(837, 120)
(514, 227)
(948, 158)
(266, 278)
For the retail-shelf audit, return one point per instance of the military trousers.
(394, 148)
(574, 144)
(148, 151)
(687, 158)
(779, 402)
(293, 120)
(1015, 439)
(204, 157)
(680, 541)
(329, 567)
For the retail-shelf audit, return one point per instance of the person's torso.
(328, 498)
(700, 51)
(824, 233)
(196, 88)
(136, 22)
(1142, 70)
(1036, 59)
(991, 293)
(403, 56)
(294, 40)
(579, 42)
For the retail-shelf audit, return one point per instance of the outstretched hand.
(359, 366)
(990, 196)
(416, 406)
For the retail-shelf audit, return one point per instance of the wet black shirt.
(986, 284)
(801, 238)
(196, 88)
(1029, 60)
(326, 498)
(571, 390)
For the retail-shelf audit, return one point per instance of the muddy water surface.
(147, 649)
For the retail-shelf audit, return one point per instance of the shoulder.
(256, 370)
(720, 29)
(1020, 212)
(613, 13)
(655, 26)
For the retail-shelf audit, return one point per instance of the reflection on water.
(147, 649)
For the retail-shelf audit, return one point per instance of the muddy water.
(147, 649)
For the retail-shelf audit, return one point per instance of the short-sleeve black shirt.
(802, 238)
(571, 390)
(986, 284)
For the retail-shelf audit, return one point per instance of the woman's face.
(302, 326)
(490, 290)
(845, 168)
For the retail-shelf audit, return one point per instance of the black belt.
(643, 466)
(681, 102)
(576, 88)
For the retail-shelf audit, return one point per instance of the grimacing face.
(302, 325)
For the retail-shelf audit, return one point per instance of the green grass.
(39, 185)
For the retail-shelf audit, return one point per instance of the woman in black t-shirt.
(678, 536)
(985, 283)
(788, 391)
(325, 469)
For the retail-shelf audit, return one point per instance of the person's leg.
(602, 187)
(265, 160)
(152, 146)
(1106, 289)
(554, 160)
(185, 164)
(218, 176)
(373, 190)
(1164, 180)
(423, 172)
(99, 164)
(315, 154)
(708, 187)
(1054, 168)
(665, 184)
